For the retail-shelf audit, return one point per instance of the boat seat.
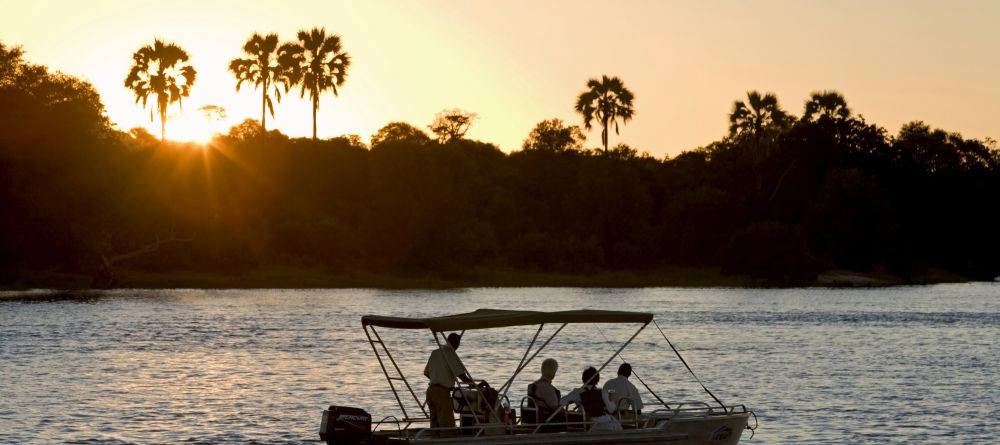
(529, 410)
(530, 416)
(576, 415)
(531, 403)
(466, 400)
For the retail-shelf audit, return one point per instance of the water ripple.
(898, 365)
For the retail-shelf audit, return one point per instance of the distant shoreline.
(305, 278)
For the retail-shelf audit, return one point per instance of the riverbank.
(292, 278)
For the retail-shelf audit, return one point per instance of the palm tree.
(830, 104)
(319, 62)
(605, 100)
(159, 69)
(752, 119)
(755, 115)
(263, 69)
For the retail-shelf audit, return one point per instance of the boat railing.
(626, 413)
(487, 429)
(732, 409)
(404, 428)
(396, 421)
(697, 409)
(688, 409)
(529, 409)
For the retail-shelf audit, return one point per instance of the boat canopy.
(499, 318)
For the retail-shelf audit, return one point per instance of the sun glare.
(199, 125)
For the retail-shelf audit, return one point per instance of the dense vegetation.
(779, 197)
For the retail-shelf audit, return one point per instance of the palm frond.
(270, 106)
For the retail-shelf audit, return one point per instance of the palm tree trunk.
(263, 107)
(604, 134)
(758, 160)
(315, 107)
(163, 126)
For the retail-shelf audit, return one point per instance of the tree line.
(316, 62)
(778, 197)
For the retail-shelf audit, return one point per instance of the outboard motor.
(344, 425)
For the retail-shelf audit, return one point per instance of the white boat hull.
(710, 430)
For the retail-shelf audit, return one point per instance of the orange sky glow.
(515, 63)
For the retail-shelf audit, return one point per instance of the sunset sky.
(516, 63)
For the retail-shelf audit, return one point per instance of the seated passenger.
(594, 401)
(545, 395)
(620, 388)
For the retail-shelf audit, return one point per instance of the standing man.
(620, 388)
(443, 369)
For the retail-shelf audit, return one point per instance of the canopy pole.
(525, 364)
(385, 371)
(723, 405)
(636, 374)
(504, 388)
(622, 348)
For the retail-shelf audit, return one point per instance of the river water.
(891, 365)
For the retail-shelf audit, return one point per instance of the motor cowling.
(344, 425)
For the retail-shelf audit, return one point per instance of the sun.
(199, 125)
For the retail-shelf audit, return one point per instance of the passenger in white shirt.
(620, 388)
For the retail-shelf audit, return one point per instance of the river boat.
(485, 415)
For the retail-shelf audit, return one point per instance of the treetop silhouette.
(757, 113)
(605, 100)
(827, 103)
(399, 132)
(264, 70)
(318, 63)
(451, 125)
(160, 70)
(552, 135)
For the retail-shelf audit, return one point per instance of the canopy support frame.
(399, 372)
(524, 364)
